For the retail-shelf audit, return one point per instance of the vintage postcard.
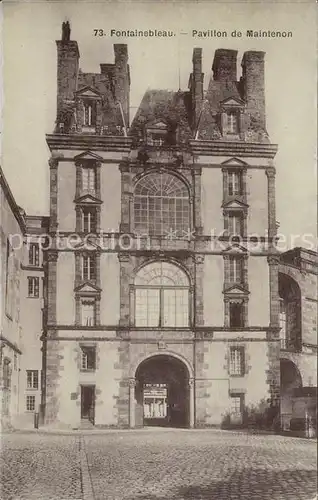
(158, 250)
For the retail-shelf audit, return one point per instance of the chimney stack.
(122, 79)
(196, 85)
(67, 67)
(253, 82)
(224, 65)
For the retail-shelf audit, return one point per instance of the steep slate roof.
(167, 105)
(208, 128)
(103, 84)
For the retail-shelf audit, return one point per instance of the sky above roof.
(30, 31)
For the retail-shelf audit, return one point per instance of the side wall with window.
(227, 376)
(32, 291)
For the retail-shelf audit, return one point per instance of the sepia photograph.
(159, 260)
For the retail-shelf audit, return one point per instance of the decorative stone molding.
(123, 257)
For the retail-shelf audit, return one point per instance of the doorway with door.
(88, 403)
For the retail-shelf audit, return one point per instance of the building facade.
(22, 276)
(158, 294)
(158, 311)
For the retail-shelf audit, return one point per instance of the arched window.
(161, 296)
(161, 206)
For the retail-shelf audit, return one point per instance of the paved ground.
(157, 465)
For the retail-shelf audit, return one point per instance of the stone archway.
(162, 393)
(290, 380)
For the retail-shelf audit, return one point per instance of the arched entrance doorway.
(163, 392)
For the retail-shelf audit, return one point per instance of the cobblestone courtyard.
(157, 465)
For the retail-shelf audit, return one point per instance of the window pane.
(236, 361)
(88, 313)
(161, 205)
(236, 405)
(147, 307)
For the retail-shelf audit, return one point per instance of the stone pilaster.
(53, 163)
(126, 269)
(196, 208)
(270, 172)
(132, 418)
(78, 214)
(98, 179)
(198, 316)
(78, 176)
(273, 263)
(191, 403)
(126, 195)
(52, 256)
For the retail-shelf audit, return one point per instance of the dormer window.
(158, 134)
(89, 118)
(231, 125)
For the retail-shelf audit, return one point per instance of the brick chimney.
(224, 65)
(253, 84)
(67, 67)
(196, 85)
(122, 79)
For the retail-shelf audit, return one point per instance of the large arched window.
(161, 206)
(161, 296)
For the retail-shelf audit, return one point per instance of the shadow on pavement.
(252, 484)
(256, 484)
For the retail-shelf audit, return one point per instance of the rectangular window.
(235, 224)
(89, 219)
(33, 286)
(89, 114)
(236, 270)
(89, 267)
(88, 312)
(235, 184)
(237, 405)
(30, 403)
(32, 379)
(34, 254)
(147, 307)
(236, 315)
(231, 123)
(237, 361)
(88, 358)
(89, 179)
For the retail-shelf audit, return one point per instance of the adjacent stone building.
(22, 275)
(165, 301)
